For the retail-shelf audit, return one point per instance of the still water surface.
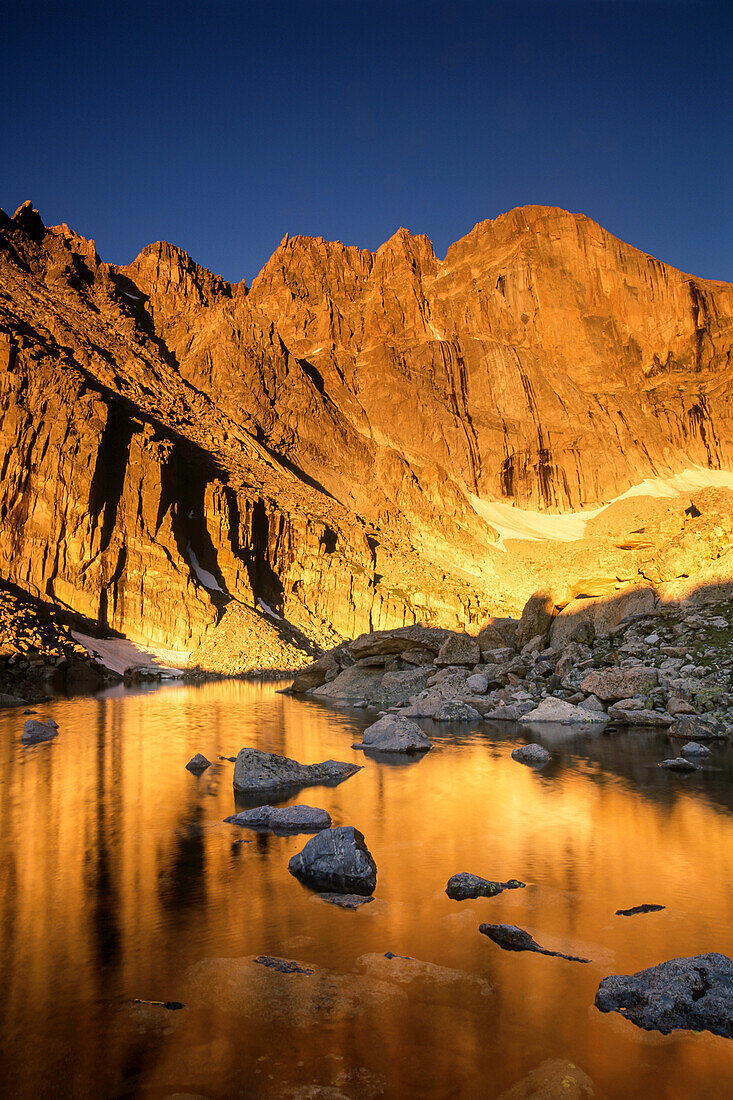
(119, 880)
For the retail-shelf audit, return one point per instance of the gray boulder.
(327, 667)
(464, 886)
(453, 710)
(694, 993)
(394, 733)
(283, 819)
(336, 861)
(693, 749)
(593, 703)
(534, 755)
(537, 616)
(497, 634)
(256, 771)
(459, 649)
(12, 701)
(34, 732)
(696, 727)
(508, 712)
(396, 641)
(611, 684)
(198, 764)
(478, 683)
(642, 717)
(375, 686)
(558, 710)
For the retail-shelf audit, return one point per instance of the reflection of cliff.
(171, 442)
(118, 876)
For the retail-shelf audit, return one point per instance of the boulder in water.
(256, 771)
(336, 861)
(695, 993)
(533, 755)
(394, 733)
(283, 819)
(34, 732)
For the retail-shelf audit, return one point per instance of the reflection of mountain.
(118, 877)
(310, 446)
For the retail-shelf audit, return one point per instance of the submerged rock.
(265, 771)
(534, 755)
(463, 886)
(511, 938)
(346, 901)
(198, 763)
(34, 732)
(283, 966)
(636, 909)
(695, 993)
(552, 1080)
(394, 733)
(336, 861)
(679, 764)
(284, 819)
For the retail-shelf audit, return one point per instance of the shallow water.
(119, 880)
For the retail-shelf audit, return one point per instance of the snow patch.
(268, 610)
(118, 654)
(208, 580)
(516, 523)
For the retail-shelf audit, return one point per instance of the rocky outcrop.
(173, 446)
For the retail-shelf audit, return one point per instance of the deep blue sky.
(222, 126)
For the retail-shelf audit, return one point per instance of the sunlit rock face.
(171, 442)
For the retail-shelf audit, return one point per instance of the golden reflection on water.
(119, 880)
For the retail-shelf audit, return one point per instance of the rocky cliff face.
(171, 443)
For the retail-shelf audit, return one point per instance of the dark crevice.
(109, 473)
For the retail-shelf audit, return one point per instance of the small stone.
(198, 763)
(636, 909)
(692, 748)
(35, 732)
(679, 764)
(533, 755)
(464, 886)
